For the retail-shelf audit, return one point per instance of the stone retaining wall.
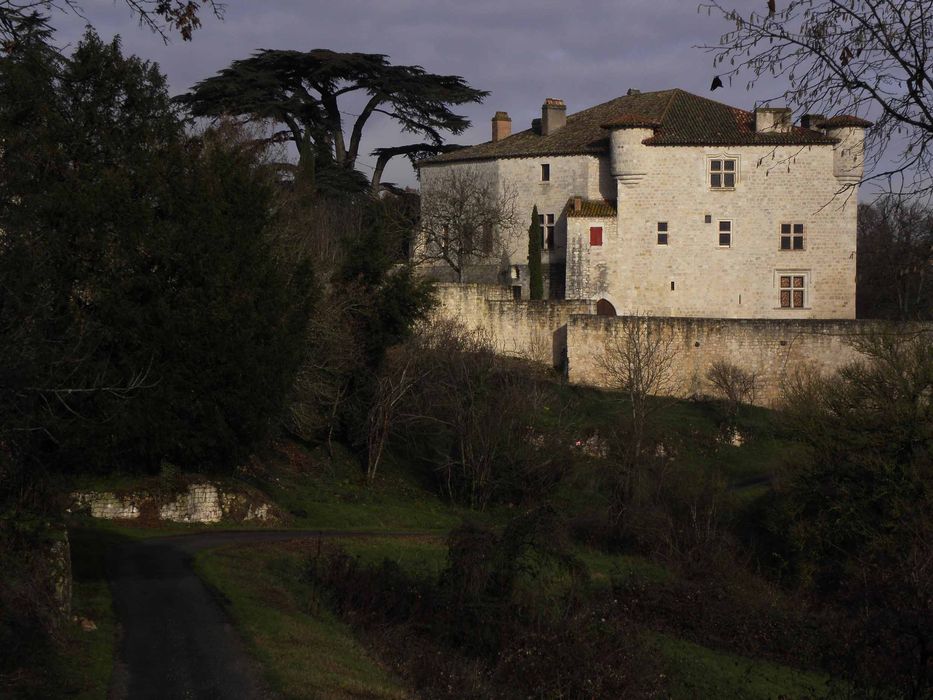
(568, 334)
(535, 330)
(770, 349)
(197, 503)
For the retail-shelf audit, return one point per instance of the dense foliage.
(144, 318)
(302, 91)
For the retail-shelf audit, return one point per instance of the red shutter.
(596, 235)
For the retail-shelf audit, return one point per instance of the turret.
(849, 153)
(627, 149)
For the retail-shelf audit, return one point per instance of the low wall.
(535, 330)
(772, 349)
(568, 334)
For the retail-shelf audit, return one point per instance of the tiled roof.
(682, 119)
(841, 121)
(592, 208)
(631, 121)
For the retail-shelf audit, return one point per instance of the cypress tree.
(536, 281)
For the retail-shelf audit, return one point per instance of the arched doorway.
(605, 308)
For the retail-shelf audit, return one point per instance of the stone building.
(670, 204)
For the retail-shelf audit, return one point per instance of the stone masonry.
(197, 503)
(649, 158)
(568, 335)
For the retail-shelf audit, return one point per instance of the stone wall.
(772, 349)
(569, 335)
(531, 329)
(196, 503)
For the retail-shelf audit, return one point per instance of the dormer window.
(721, 173)
(545, 172)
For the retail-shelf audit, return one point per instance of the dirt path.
(177, 641)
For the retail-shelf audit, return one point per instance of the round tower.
(627, 150)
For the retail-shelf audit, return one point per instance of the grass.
(305, 650)
(84, 669)
(328, 492)
(699, 672)
(422, 557)
(604, 567)
(308, 652)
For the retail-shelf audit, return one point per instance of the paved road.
(177, 642)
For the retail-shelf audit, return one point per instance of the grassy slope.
(277, 613)
(327, 493)
(305, 650)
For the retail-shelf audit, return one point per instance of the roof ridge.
(670, 101)
(621, 97)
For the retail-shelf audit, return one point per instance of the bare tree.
(639, 361)
(391, 388)
(867, 58)
(895, 260)
(465, 218)
(160, 16)
(733, 383)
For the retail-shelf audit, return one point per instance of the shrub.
(474, 419)
(734, 385)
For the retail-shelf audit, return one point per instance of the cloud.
(521, 51)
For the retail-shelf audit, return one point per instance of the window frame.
(545, 172)
(792, 235)
(663, 231)
(722, 172)
(804, 288)
(720, 232)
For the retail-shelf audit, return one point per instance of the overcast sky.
(521, 51)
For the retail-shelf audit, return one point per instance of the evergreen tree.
(536, 281)
(154, 323)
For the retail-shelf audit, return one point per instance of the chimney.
(810, 121)
(773, 119)
(501, 126)
(578, 204)
(553, 116)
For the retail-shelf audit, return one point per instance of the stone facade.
(692, 275)
(521, 177)
(656, 173)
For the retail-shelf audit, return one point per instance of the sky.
(521, 51)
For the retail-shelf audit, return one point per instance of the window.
(722, 173)
(791, 236)
(662, 233)
(546, 222)
(596, 235)
(489, 241)
(725, 234)
(545, 172)
(793, 289)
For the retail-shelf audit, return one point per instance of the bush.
(856, 517)
(506, 618)
(735, 387)
(474, 420)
